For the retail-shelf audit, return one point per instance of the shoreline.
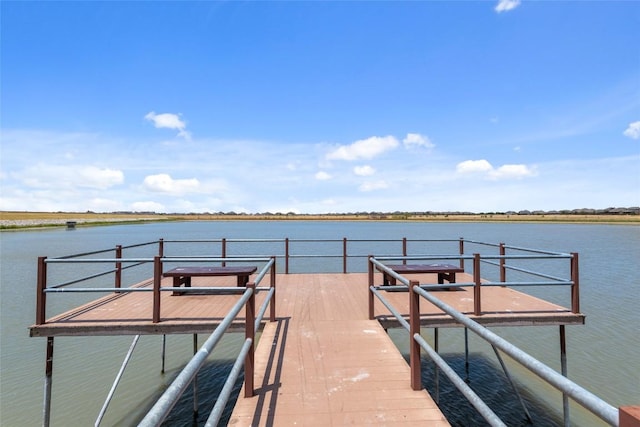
(41, 220)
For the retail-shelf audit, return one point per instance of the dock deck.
(322, 362)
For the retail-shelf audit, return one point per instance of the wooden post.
(575, 288)
(477, 304)
(414, 328)
(404, 249)
(224, 250)
(286, 255)
(369, 292)
(250, 319)
(503, 270)
(629, 416)
(118, 278)
(344, 255)
(157, 278)
(161, 247)
(461, 251)
(272, 305)
(41, 295)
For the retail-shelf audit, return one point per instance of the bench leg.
(178, 281)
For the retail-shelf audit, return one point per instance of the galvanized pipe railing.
(165, 403)
(593, 403)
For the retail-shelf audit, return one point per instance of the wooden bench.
(444, 271)
(182, 275)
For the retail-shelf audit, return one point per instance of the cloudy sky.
(317, 107)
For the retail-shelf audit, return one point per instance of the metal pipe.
(117, 380)
(225, 393)
(582, 396)
(263, 309)
(393, 311)
(466, 356)
(513, 385)
(195, 380)
(48, 379)
(165, 403)
(471, 396)
(563, 370)
(164, 346)
(436, 371)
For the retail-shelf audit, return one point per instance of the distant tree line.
(396, 214)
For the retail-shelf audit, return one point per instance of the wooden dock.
(322, 362)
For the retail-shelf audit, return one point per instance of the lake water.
(603, 355)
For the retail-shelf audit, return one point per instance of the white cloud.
(169, 121)
(94, 177)
(373, 185)
(503, 172)
(322, 176)
(164, 183)
(69, 176)
(417, 140)
(365, 170)
(512, 172)
(506, 5)
(633, 131)
(364, 148)
(473, 166)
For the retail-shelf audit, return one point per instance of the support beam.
(563, 367)
(48, 377)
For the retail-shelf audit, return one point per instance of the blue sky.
(319, 107)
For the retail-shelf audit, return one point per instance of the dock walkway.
(323, 363)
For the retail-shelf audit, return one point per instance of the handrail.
(593, 403)
(580, 395)
(165, 403)
(43, 289)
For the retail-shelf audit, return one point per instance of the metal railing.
(43, 289)
(344, 250)
(166, 402)
(569, 389)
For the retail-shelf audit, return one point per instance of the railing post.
(503, 270)
(223, 251)
(286, 255)
(371, 280)
(161, 248)
(404, 249)
(461, 251)
(344, 255)
(575, 287)
(272, 278)
(157, 278)
(118, 278)
(414, 328)
(250, 319)
(477, 304)
(41, 295)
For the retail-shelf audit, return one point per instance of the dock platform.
(322, 362)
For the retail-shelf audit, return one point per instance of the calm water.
(603, 355)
